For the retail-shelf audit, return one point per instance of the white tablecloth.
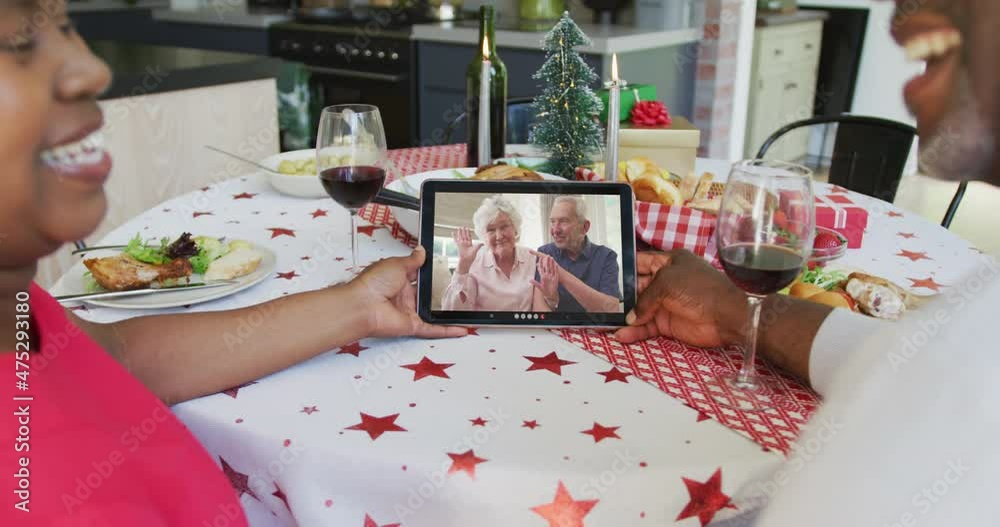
(503, 427)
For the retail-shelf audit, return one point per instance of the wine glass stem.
(748, 373)
(354, 241)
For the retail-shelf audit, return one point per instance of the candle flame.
(614, 67)
(486, 47)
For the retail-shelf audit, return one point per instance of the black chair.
(869, 154)
(520, 118)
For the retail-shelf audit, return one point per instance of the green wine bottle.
(498, 92)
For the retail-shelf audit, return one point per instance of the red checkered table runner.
(684, 372)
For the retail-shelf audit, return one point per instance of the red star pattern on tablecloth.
(244, 195)
(280, 231)
(286, 276)
(235, 390)
(428, 368)
(199, 214)
(280, 494)
(369, 522)
(472, 331)
(927, 283)
(376, 426)
(465, 462)
(353, 348)
(550, 362)
(533, 424)
(239, 480)
(837, 189)
(706, 499)
(368, 229)
(479, 421)
(317, 213)
(913, 256)
(308, 410)
(907, 235)
(600, 433)
(894, 214)
(614, 374)
(702, 416)
(564, 511)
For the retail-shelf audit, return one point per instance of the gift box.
(673, 147)
(629, 96)
(838, 212)
(833, 211)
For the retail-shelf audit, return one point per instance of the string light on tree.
(567, 127)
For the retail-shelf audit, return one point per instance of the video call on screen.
(582, 234)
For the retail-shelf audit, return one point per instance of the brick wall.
(716, 76)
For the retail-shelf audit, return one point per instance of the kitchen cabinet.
(441, 79)
(783, 86)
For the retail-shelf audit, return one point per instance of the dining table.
(504, 426)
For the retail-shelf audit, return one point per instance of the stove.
(360, 56)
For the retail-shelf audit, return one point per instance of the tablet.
(526, 253)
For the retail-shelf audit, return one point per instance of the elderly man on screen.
(907, 434)
(588, 278)
(502, 275)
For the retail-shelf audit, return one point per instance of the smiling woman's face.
(53, 165)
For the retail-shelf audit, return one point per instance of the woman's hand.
(548, 274)
(385, 291)
(683, 297)
(466, 249)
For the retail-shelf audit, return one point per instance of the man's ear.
(586, 226)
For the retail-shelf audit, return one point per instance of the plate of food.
(856, 291)
(410, 219)
(227, 266)
(296, 175)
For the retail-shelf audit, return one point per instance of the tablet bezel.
(430, 189)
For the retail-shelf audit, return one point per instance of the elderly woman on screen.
(501, 276)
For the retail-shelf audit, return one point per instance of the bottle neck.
(486, 28)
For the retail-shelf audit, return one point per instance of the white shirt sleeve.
(842, 335)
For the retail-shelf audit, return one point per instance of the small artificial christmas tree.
(567, 127)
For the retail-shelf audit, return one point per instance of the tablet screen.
(527, 253)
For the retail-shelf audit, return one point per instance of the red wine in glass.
(761, 269)
(352, 187)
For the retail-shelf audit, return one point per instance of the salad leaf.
(182, 247)
(151, 254)
(823, 278)
(209, 250)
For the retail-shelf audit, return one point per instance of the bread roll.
(654, 189)
(804, 290)
(831, 299)
(688, 186)
(238, 262)
(638, 167)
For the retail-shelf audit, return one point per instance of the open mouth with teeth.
(85, 159)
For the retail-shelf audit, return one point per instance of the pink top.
(486, 288)
(100, 449)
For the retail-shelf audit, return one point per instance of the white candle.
(614, 108)
(485, 157)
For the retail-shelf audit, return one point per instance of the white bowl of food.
(298, 176)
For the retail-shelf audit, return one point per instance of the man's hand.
(548, 273)
(385, 290)
(683, 297)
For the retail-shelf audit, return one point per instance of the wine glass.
(351, 160)
(765, 234)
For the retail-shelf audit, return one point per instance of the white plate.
(305, 186)
(408, 219)
(74, 278)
